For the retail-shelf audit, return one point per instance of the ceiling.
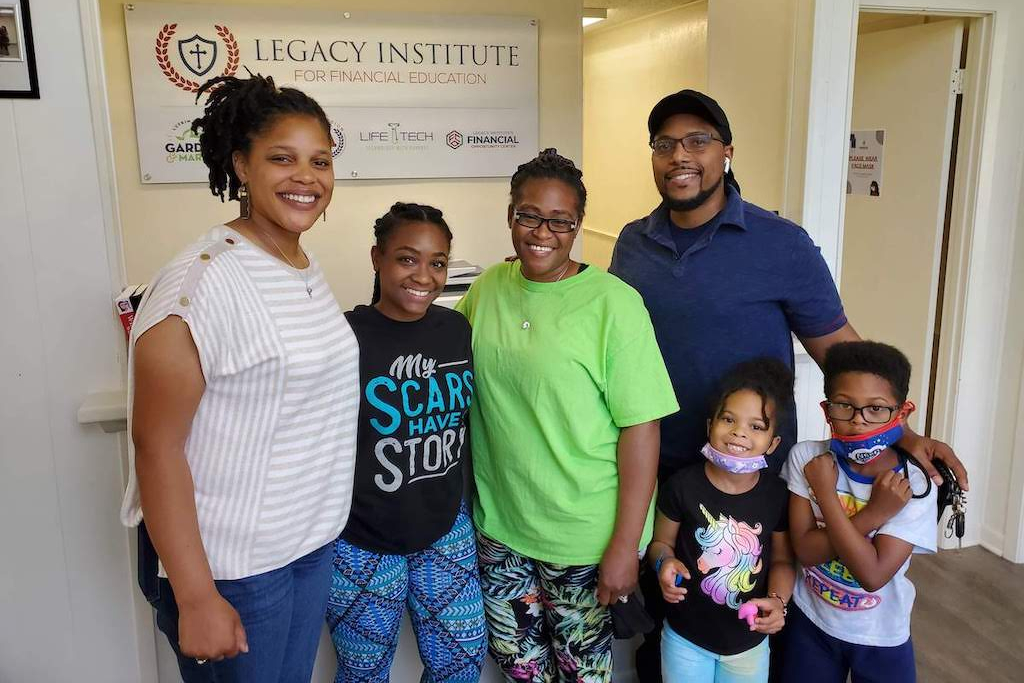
(623, 11)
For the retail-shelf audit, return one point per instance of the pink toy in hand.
(748, 611)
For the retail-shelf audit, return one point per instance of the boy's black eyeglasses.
(844, 412)
(692, 143)
(533, 221)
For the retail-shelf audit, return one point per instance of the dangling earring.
(325, 215)
(243, 200)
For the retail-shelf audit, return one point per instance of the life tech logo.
(395, 135)
(454, 139)
(197, 54)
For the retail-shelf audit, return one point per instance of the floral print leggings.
(544, 621)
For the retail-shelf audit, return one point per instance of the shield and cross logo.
(198, 54)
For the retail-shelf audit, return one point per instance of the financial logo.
(492, 139)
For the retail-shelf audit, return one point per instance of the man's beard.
(693, 202)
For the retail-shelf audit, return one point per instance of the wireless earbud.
(728, 163)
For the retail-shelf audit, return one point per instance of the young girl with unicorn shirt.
(721, 548)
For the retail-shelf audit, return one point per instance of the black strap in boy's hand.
(949, 494)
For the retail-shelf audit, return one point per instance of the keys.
(957, 518)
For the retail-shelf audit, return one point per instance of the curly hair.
(767, 377)
(875, 358)
(551, 164)
(398, 214)
(237, 111)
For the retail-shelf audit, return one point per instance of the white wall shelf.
(108, 409)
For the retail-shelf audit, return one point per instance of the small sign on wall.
(408, 95)
(865, 173)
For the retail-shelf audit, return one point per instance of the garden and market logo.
(197, 54)
(182, 144)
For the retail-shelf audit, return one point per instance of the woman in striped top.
(244, 394)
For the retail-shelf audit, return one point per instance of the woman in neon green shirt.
(570, 389)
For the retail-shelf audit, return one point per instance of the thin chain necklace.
(305, 275)
(522, 298)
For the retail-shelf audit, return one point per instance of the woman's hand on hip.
(617, 574)
(210, 629)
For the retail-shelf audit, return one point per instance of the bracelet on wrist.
(785, 605)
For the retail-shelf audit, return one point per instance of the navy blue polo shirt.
(738, 291)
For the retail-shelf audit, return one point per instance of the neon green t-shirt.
(550, 400)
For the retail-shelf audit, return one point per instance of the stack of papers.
(461, 275)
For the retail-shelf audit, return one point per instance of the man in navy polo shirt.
(724, 281)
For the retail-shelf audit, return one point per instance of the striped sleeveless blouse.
(272, 444)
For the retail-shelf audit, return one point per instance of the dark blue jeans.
(814, 655)
(282, 612)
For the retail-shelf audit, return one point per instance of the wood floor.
(968, 621)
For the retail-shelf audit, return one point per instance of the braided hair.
(767, 377)
(398, 214)
(551, 164)
(237, 111)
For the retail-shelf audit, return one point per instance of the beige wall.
(157, 220)
(754, 74)
(626, 70)
(753, 57)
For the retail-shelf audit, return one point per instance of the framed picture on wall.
(17, 57)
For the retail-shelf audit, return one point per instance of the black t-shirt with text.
(416, 383)
(725, 541)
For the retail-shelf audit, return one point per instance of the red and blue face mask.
(863, 448)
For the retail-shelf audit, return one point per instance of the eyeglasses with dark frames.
(872, 414)
(693, 143)
(533, 221)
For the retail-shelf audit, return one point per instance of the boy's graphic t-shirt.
(416, 381)
(725, 541)
(829, 594)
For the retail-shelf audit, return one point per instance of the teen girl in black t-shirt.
(409, 541)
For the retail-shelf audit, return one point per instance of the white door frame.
(996, 163)
(89, 15)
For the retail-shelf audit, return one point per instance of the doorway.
(978, 382)
(907, 100)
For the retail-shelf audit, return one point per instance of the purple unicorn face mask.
(732, 463)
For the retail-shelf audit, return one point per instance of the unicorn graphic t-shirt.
(416, 380)
(725, 541)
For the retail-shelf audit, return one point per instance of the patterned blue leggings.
(441, 587)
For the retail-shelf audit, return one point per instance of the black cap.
(690, 102)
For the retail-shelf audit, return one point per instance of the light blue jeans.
(684, 662)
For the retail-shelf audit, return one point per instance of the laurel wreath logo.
(163, 39)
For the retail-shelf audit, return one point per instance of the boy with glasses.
(856, 514)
